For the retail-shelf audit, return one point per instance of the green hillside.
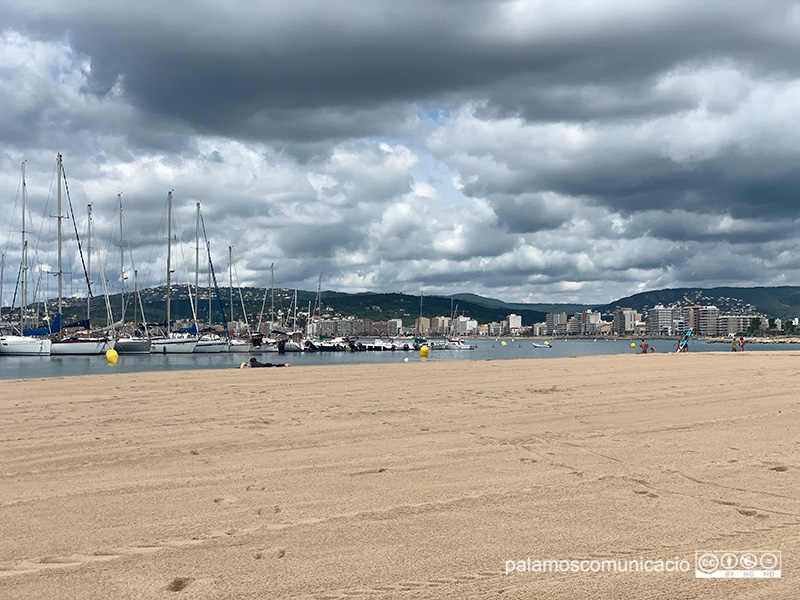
(781, 302)
(777, 302)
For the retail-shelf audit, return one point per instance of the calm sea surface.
(18, 367)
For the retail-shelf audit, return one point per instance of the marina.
(27, 367)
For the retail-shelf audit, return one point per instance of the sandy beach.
(412, 480)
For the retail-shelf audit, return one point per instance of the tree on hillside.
(755, 325)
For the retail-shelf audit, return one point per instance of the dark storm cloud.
(583, 150)
(235, 70)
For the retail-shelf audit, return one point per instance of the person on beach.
(644, 345)
(741, 344)
(733, 345)
(254, 363)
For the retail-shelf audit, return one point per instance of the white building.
(554, 320)
(660, 320)
(395, 326)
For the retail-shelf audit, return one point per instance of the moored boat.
(23, 345)
(237, 345)
(173, 345)
(80, 346)
(132, 345)
(209, 344)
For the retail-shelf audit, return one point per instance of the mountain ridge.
(780, 301)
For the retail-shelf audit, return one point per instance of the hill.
(378, 307)
(517, 306)
(781, 302)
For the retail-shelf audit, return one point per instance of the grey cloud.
(597, 148)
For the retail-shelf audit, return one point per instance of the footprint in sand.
(225, 500)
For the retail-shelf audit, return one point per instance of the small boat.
(545, 345)
(458, 344)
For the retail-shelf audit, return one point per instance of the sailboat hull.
(132, 346)
(173, 346)
(210, 346)
(80, 347)
(18, 345)
(239, 346)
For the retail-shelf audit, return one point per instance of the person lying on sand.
(254, 363)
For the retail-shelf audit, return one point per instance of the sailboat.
(454, 341)
(294, 340)
(172, 343)
(83, 344)
(128, 344)
(236, 344)
(25, 345)
(209, 343)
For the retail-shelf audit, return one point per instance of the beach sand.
(410, 480)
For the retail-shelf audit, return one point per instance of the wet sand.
(411, 480)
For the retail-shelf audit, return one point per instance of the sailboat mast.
(208, 250)
(58, 216)
(24, 296)
(169, 253)
(319, 298)
(135, 296)
(2, 276)
(197, 254)
(89, 265)
(122, 263)
(230, 276)
(272, 296)
(419, 321)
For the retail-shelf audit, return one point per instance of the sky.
(531, 151)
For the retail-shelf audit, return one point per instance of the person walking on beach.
(733, 345)
(741, 344)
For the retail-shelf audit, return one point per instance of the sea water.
(27, 367)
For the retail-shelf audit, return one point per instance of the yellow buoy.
(423, 352)
(633, 345)
(502, 343)
(111, 356)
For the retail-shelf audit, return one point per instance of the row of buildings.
(424, 326)
(655, 322)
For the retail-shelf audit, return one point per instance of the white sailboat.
(172, 343)
(209, 343)
(236, 344)
(454, 341)
(128, 344)
(78, 344)
(24, 345)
